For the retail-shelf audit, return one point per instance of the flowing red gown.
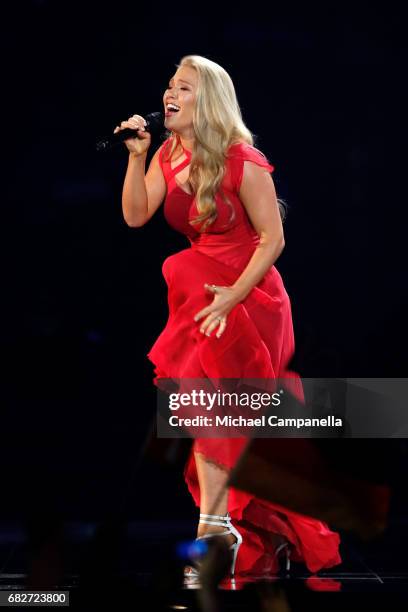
(258, 342)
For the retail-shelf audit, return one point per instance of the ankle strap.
(216, 517)
(215, 520)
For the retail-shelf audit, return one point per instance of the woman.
(229, 313)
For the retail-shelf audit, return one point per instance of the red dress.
(258, 342)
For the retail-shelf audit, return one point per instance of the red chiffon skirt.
(258, 342)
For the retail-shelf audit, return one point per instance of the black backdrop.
(83, 296)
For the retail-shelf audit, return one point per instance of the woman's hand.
(141, 143)
(216, 313)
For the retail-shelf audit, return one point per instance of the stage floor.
(134, 565)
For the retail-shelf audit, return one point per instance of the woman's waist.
(231, 254)
(234, 256)
(239, 239)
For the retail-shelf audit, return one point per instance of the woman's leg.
(213, 493)
(214, 498)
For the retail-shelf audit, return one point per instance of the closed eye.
(185, 88)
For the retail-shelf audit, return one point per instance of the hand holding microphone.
(136, 133)
(139, 143)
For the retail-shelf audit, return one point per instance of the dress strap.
(168, 171)
(173, 171)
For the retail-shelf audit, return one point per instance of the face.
(181, 91)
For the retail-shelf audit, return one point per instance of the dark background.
(83, 294)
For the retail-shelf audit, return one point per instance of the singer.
(229, 313)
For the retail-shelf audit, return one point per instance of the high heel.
(279, 560)
(285, 546)
(218, 521)
(223, 521)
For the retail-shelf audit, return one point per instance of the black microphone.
(154, 125)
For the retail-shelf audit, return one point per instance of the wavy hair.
(217, 124)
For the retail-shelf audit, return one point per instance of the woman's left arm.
(258, 195)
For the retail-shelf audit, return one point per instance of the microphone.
(154, 125)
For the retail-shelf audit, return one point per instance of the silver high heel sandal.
(281, 565)
(218, 521)
(285, 546)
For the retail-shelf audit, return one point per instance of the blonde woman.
(229, 313)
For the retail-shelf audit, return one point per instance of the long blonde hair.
(217, 124)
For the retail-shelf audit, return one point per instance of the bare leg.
(213, 493)
(214, 498)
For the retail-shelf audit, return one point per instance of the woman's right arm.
(142, 193)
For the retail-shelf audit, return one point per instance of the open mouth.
(171, 109)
